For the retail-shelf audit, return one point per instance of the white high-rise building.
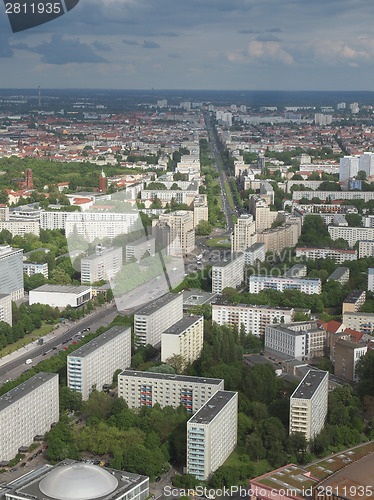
(257, 283)
(147, 389)
(27, 411)
(371, 279)
(244, 234)
(367, 163)
(6, 308)
(212, 434)
(308, 404)
(153, 319)
(349, 166)
(94, 364)
(104, 264)
(228, 274)
(11, 272)
(184, 338)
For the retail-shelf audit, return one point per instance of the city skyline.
(194, 45)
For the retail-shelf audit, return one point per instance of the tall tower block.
(102, 182)
(28, 178)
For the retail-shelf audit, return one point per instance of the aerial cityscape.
(186, 250)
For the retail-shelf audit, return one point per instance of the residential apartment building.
(20, 227)
(180, 231)
(296, 271)
(308, 404)
(338, 255)
(347, 355)
(360, 321)
(184, 338)
(284, 236)
(27, 411)
(153, 319)
(200, 209)
(104, 264)
(94, 364)
(148, 388)
(354, 301)
(365, 249)
(257, 283)
(6, 308)
(352, 234)
(371, 279)
(244, 234)
(11, 271)
(259, 207)
(60, 295)
(256, 252)
(253, 317)
(228, 274)
(31, 268)
(212, 434)
(334, 195)
(341, 274)
(138, 248)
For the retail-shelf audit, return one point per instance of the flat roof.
(182, 325)
(212, 407)
(197, 297)
(99, 341)
(157, 304)
(171, 377)
(231, 258)
(140, 241)
(220, 302)
(349, 344)
(25, 388)
(283, 329)
(270, 277)
(254, 247)
(104, 251)
(338, 273)
(62, 289)
(309, 384)
(353, 296)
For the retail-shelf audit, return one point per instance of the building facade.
(184, 338)
(352, 234)
(60, 295)
(27, 411)
(154, 318)
(341, 274)
(147, 389)
(180, 234)
(257, 283)
(94, 364)
(347, 355)
(6, 308)
(244, 234)
(104, 264)
(360, 321)
(256, 252)
(308, 404)
(11, 272)
(354, 301)
(338, 255)
(228, 274)
(212, 434)
(138, 248)
(31, 268)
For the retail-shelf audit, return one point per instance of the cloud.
(147, 44)
(169, 34)
(268, 52)
(65, 51)
(101, 46)
(130, 42)
(335, 50)
(6, 51)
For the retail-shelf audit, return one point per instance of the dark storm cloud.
(147, 44)
(65, 51)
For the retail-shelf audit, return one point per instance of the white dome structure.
(79, 481)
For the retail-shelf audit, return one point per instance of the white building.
(104, 264)
(11, 271)
(339, 255)
(371, 279)
(334, 195)
(139, 247)
(352, 234)
(360, 321)
(286, 343)
(184, 338)
(60, 295)
(349, 167)
(153, 319)
(71, 480)
(212, 434)
(257, 283)
(340, 274)
(308, 404)
(27, 411)
(228, 274)
(256, 252)
(6, 308)
(147, 389)
(244, 234)
(94, 364)
(365, 249)
(253, 317)
(31, 268)
(20, 227)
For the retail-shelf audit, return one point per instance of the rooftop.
(338, 273)
(171, 377)
(212, 407)
(157, 304)
(182, 325)
(25, 388)
(140, 241)
(194, 297)
(354, 296)
(232, 257)
(309, 385)
(62, 289)
(99, 341)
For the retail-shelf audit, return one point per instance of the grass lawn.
(214, 242)
(27, 339)
(229, 196)
(235, 461)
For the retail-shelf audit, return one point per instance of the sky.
(195, 44)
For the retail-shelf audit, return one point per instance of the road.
(13, 365)
(222, 178)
